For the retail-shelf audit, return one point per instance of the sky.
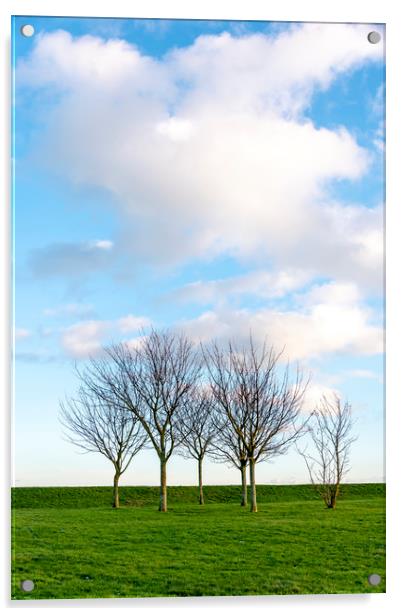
(215, 177)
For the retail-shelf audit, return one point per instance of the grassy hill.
(138, 496)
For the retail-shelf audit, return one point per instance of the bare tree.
(262, 406)
(98, 425)
(152, 381)
(330, 432)
(228, 447)
(197, 430)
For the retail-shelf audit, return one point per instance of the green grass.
(138, 496)
(73, 545)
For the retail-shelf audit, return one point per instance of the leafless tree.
(330, 432)
(196, 429)
(98, 425)
(152, 380)
(228, 447)
(262, 406)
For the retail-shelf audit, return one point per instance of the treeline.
(234, 404)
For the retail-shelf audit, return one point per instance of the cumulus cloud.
(258, 283)
(87, 338)
(340, 294)
(337, 323)
(84, 339)
(213, 143)
(176, 130)
(256, 71)
(131, 323)
(269, 65)
(315, 393)
(70, 259)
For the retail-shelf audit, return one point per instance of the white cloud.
(20, 333)
(323, 325)
(87, 338)
(84, 339)
(340, 294)
(259, 283)
(353, 247)
(102, 244)
(315, 393)
(131, 323)
(210, 143)
(175, 129)
(91, 63)
(247, 70)
(136, 343)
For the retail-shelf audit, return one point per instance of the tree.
(154, 379)
(197, 430)
(228, 447)
(98, 425)
(330, 432)
(262, 407)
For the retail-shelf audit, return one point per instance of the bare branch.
(153, 381)
(330, 434)
(96, 422)
(257, 407)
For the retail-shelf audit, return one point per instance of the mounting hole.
(374, 579)
(27, 30)
(27, 585)
(374, 37)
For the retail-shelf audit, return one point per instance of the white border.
(370, 11)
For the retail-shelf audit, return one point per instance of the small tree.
(262, 406)
(330, 432)
(197, 430)
(154, 379)
(96, 425)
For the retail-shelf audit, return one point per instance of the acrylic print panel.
(198, 280)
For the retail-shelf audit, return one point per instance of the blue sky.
(212, 176)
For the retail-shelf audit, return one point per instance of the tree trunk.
(243, 470)
(116, 501)
(253, 493)
(334, 496)
(201, 497)
(163, 490)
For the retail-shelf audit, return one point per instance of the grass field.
(72, 544)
